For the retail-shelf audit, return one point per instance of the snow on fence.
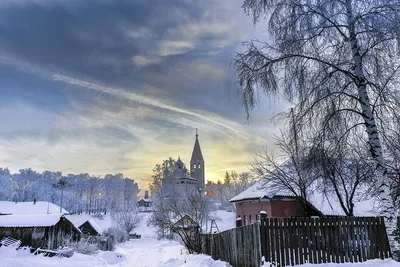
(239, 246)
(293, 241)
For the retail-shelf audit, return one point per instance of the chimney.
(34, 201)
(146, 194)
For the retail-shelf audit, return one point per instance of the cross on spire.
(196, 134)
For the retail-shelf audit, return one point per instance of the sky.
(100, 86)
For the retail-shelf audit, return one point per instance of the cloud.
(143, 61)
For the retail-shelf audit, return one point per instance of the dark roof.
(197, 155)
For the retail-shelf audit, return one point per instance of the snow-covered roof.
(260, 190)
(78, 221)
(331, 206)
(40, 207)
(145, 199)
(95, 226)
(37, 220)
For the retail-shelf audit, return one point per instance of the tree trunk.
(387, 208)
(61, 200)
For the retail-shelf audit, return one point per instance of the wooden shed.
(49, 231)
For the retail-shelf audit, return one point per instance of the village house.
(87, 226)
(48, 231)
(258, 198)
(261, 198)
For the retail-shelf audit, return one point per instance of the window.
(194, 165)
(249, 218)
(198, 165)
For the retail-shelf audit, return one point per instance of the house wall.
(29, 236)
(249, 210)
(286, 208)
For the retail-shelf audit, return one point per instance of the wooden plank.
(369, 237)
(379, 238)
(357, 239)
(345, 238)
(290, 241)
(300, 239)
(286, 240)
(267, 241)
(321, 239)
(317, 240)
(313, 239)
(326, 244)
(282, 241)
(339, 232)
(352, 242)
(295, 241)
(273, 239)
(262, 238)
(308, 240)
(363, 242)
(278, 242)
(305, 240)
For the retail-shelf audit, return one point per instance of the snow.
(96, 226)
(40, 207)
(147, 252)
(225, 220)
(78, 220)
(260, 190)
(145, 200)
(29, 220)
(101, 224)
(331, 206)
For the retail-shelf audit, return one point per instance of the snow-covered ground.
(146, 252)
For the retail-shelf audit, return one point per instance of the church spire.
(196, 154)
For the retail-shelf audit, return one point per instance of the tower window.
(198, 165)
(194, 165)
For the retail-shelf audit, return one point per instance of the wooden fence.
(292, 241)
(239, 246)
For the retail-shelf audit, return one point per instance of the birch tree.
(341, 52)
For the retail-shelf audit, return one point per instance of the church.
(180, 180)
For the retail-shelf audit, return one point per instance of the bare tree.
(167, 211)
(287, 172)
(128, 219)
(323, 52)
(346, 174)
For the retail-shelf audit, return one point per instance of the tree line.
(77, 193)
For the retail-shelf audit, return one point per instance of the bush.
(85, 247)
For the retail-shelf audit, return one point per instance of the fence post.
(238, 222)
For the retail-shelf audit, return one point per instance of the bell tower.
(197, 163)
